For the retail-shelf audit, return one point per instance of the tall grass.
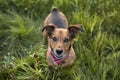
(97, 49)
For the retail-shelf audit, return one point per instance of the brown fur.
(60, 44)
(60, 37)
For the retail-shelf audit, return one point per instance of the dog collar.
(57, 60)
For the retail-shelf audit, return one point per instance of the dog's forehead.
(61, 32)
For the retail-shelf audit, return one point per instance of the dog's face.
(60, 39)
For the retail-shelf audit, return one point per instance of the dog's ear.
(49, 29)
(74, 29)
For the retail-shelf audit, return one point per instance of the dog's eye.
(54, 39)
(66, 40)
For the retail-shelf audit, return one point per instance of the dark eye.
(54, 39)
(66, 40)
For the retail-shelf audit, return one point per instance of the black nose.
(59, 52)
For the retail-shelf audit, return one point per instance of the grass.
(23, 53)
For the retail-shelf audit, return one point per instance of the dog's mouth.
(58, 56)
(58, 53)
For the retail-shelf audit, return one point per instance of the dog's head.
(60, 39)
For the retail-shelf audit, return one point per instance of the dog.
(60, 37)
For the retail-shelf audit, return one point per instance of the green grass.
(23, 55)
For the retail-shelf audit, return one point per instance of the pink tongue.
(58, 61)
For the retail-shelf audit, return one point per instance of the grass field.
(22, 53)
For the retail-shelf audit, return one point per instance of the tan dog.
(60, 51)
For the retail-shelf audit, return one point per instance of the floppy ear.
(74, 29)
(49, 29)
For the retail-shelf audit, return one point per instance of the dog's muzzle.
(58, 60)
(59, 52)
